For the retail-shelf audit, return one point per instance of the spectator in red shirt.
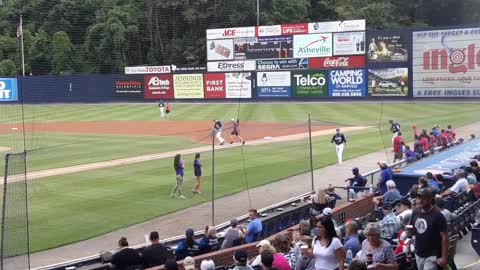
(425, 145)
(450, 138)
(442, 139)
(452, 131)
(398, 144)
(415, 131)
(418, 147)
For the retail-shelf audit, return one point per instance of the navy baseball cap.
(355, 169)
(189, 232)
(241, 256)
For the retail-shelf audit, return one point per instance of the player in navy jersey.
(340, 142)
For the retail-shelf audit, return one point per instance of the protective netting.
(15, 241)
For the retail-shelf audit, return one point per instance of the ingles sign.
(316, 45)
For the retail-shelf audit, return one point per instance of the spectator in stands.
(439, 179)
(425, 142)
(410, 155)
(207, 265)
(187, 247)
(328, 213)
(435, 131)
(209, 243)
(412, 194)
(171, 265)
(333, 196)
(461, 185)
(430, 230)
(471, 178)
(357, 264)
(433, 141)
(418, 147)
(475, 168)
(422, 182)
(320, 201)
(313, 226)
(254, 228)
(327, 248)
(385, 175)
(189, 263)
(240, 259)
(381, 250)
(303, 230)
(390, 196)
(352, 241)
(233, 235)
(306, 260)
(356, 183)
(267, 261)
(280, 261)
(390, 224)
(282, 245)
(403, 210)
(443, 142)
(264, 246)
(156, 253)
(450, 139)
(125, 256)
(439, 202)
(431, 182)
(452, 131)
(476, 190)
(398, 144)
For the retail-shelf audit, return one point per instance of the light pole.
(258, 12)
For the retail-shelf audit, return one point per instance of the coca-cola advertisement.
(387, 47)
(214, 85)
(347, 83)
(336, 62)
(159, 86)
(388, 82)
(446, 63)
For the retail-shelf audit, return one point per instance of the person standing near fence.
(178, 165)
(197, 170)
(340, 142)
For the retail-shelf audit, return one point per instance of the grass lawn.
(73, 207)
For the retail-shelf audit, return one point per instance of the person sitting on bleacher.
(390, 196)
(357, 264)
(156, 253)
(233, 235)
(475, 168)
(380, 250)
(189, 263)
(385, 175)
(431, 182)
(352, 241)
(240, 259)
(187, 247)
(410, 155)
(461, 185)
(430, 231)
(319, 201)
(254, 228)
(267, 262)
(207, 265)
(282, 245)
(356, 183)
(125, 256)
(390, 224)
(280, 261)
(209, 243)
(305, 260)
(333, 196)
(449, 216)
(471, 178)
(403, 209)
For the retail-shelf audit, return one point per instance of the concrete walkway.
(232, 206)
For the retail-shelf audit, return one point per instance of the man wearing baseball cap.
(340, 142)
(187, 247)
(430, 229)
(356, 182)
(240, 258)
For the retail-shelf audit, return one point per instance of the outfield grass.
(73, 207)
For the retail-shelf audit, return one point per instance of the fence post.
(310, 146)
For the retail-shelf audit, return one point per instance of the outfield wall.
(397, 64)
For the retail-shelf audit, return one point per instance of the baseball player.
(168, 110)
(218, 131)
(340, 142)
(162, 108)
(395, 128)
(235, 130)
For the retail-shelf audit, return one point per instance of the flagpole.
(21, 42)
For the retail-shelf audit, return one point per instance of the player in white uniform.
(218, 131)
(340, 142)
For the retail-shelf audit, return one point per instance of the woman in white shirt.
(327, 248)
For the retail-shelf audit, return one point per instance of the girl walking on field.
(197, 169)
(178, 165)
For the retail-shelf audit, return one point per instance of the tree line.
(64, 37)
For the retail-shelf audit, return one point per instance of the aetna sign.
(337, 62)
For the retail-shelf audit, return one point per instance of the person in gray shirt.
(233, 235)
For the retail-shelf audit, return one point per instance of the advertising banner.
(240, 46)
(352, 25)
(230, 32)
(446, 63)
(128, 86)
(220, 49)
(275, 38)
(388, 82)
(336, 26)
(316, 45)
(159, 86)
(147, 70)
(264, 50)
(225, 66)
(188, 68)
(347, 83)
(269, 30)
(214, 85)
(188, 86)
(239, 85)
(8, 89)
(387, 47)
(274, 84)
(336, 62)
(312, 83)
(295, 29)
(349, 43)
(282, 64)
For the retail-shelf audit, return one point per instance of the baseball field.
(98, 168)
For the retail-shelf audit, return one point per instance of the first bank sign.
(8, 89)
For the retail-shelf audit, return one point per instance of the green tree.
(8, 68)
(62, 54)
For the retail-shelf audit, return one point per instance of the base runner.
(235, 131)
(218, 131)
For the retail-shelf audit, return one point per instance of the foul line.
(132, 160)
